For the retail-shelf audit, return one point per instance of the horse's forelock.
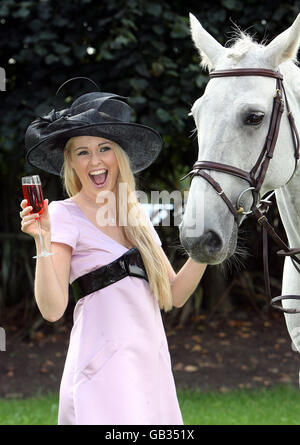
(241, 44)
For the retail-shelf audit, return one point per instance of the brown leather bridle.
(256, 181)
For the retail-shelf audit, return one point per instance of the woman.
(118, 367)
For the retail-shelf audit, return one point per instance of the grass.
(39, 410)
(279, 405)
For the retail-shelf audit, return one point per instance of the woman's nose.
(96, 158)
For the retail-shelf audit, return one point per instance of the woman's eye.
(254, 118)
(102, 148)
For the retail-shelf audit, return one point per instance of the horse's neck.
(291, 74)
(288, 202)
(288, 196)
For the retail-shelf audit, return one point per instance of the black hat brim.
(141, 143)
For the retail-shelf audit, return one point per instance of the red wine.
(34, 196)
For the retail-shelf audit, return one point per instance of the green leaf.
(142, 70)
(4, 11)
(137, 100)
(51, 58)
(154, 9)
(181, 112)
(172, 73)
(21, 13)
(41, 51)
(138, 84)
(201, 80)
(67, 61)
(172, 90)
(163, 115)
(129, 23)
(180, 30)
(158, 29)
(60, 21)
(47, 35)
(167, 62)
(79, 51)
(232, 5)
(157, 69)
(160, 46)
(60, 49)
(106, 54)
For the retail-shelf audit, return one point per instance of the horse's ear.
(209, 49)
(285, 46)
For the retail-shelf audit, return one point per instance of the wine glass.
(33, 193)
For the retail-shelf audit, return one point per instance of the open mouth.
(100, 179)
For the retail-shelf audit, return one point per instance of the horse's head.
(232, 119)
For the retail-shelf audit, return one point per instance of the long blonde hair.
(137, 229)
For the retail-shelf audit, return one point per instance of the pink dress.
(118, 368)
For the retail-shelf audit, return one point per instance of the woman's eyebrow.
(101, 143)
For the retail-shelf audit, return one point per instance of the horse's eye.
(254, 118)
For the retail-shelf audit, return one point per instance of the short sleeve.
(155, 234)
(63, 229)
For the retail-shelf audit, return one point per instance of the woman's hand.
(29, 224)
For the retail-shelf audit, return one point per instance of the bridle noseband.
(256, 180)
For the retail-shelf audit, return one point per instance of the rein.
(256, 180)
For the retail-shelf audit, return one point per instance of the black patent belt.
(130, 263)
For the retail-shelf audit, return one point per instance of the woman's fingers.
(28, 221)
(25, 208)
(25, 211)
(23, 203)
(32, 216)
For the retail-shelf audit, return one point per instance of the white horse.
(225, 136)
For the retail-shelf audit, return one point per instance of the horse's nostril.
(212, 241)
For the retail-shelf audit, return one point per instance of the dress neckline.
(92, 224)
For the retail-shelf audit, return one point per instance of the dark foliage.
(137, 48)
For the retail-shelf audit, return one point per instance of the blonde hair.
(137, 229)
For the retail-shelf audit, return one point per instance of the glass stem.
(40, 234)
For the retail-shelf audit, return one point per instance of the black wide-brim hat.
(98, 114)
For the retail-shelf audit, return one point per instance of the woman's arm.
(51, 283)
(185, 281)
(52, 273)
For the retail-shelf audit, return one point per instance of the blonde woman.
(118, 368)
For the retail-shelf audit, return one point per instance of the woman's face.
(95, 163)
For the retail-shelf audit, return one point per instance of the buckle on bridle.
(261, 202)
(240, 208)
(263, 216)
(278, 93)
